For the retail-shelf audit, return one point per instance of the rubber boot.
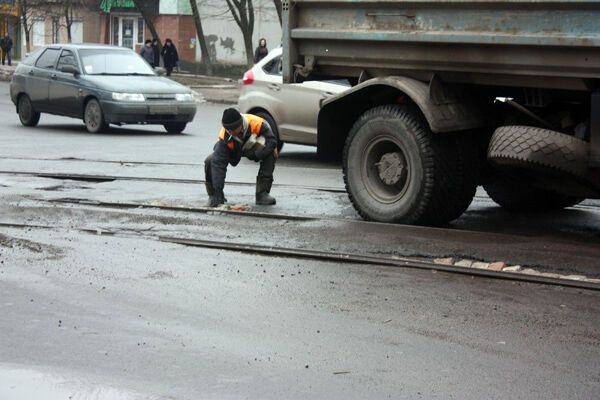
(263, 187)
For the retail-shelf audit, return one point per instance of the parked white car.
(290, 109)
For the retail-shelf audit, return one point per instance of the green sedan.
(100, 84)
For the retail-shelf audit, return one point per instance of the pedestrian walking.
(147, 52)
(170, 56)
(261, 51)
(6, 44)
(244, 135)
(156, 50)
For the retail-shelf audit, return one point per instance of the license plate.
(162, 109)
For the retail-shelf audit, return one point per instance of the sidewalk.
(6, 72)
(210, 89)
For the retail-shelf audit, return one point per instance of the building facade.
(9, 24)
(118, 22)
(224, 38)
(47, 25)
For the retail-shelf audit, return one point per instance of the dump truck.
(450, 95)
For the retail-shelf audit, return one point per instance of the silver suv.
(290, 109)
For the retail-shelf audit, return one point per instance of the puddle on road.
(23, 384)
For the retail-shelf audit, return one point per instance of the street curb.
(6, 76)
(220, 101)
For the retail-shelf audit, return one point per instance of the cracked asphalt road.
(129, 317)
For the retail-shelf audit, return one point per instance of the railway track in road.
(100, 178)
(329, 256)
(326, 256)
(111, 178)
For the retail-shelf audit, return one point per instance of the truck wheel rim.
(385, 170)
(92, 115)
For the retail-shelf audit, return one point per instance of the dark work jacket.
(223, 156)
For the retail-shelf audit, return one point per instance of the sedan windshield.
(113, 62)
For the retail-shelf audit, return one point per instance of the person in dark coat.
(261, 51)
(6, 43)
(147, 53)
(242, 135)
(156, 50)
(170, 56)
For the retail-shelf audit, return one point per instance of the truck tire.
(519, 197)
(397, 170)
(526, 147)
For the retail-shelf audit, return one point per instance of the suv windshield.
(113, 62)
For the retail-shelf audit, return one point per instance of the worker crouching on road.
(242, 135)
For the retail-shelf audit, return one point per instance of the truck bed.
(524, 43)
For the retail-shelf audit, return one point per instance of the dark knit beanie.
(231, 119)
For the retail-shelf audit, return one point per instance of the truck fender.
(445, 107)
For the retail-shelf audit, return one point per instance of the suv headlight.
(183, 97)
(128, 96)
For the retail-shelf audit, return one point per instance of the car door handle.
(274, 86)
(326, 94)
(53, 76)
(30, 72)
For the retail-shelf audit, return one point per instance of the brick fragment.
(497, 266)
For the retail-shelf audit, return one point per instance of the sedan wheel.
(93, 117)
(27, 115)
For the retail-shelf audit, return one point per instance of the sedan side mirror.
(69, 69)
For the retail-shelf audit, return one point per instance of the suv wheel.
(267, 117)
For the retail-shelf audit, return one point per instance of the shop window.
(38, 34)
(77, 32)
(140, 31)
(115, 31)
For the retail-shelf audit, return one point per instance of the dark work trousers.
(264, 179)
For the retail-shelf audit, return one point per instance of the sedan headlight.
(183, 97)
(128, 96)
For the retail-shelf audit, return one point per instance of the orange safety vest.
(255, 124)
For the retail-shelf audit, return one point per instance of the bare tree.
(243, 14)
(30, 10)
(279, 10)
(148, 15)
(25, 10)
(69, 8)
(206, 60)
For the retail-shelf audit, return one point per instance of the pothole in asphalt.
(82, 178)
